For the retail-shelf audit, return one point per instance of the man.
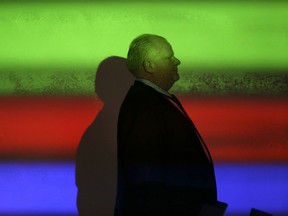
(164, 167)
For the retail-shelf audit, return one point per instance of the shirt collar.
(154, 86)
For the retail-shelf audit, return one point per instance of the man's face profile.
(165, 63)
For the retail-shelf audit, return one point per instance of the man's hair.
(138, 50)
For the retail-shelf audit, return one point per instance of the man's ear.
(148, 66)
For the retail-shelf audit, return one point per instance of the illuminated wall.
(233, 84)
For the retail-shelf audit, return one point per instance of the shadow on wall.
(96, 160)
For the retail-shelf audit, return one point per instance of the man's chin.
(177, 77)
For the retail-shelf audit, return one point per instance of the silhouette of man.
(164, 166)
(96, 162)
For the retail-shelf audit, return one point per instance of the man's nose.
(177, 61)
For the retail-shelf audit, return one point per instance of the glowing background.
(47, 44)
(233, 49)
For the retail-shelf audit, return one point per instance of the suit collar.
(163, 97)
(154, 86)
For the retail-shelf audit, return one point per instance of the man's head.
(151, 57)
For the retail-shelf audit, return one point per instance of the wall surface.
(233, 84)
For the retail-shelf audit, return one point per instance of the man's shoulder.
(142, 97)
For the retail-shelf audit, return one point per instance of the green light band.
(216, 35)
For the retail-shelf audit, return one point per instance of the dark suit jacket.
(162, 167)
